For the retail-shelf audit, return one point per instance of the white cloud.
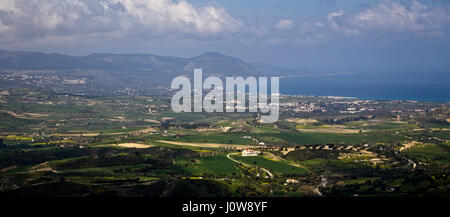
(393, 17)
(331, 16)
(385, 18)
(284, 24)
(27, 22)
(167, 15)
(335, 20)
(39, 19)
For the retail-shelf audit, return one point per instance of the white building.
(291, 181)
(250, 152)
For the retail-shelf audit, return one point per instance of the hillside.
(113, 73)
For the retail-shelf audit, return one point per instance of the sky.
(354, 36)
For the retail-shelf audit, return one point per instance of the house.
(250, 152)
(291, 181)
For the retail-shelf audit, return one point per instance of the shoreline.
(410, 99)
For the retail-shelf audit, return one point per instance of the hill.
(113, 73)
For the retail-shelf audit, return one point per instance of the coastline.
(378, 98)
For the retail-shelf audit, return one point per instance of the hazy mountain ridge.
(109, 73)
(212, 63)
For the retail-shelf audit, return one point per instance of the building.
(291, 181)
(250, 152)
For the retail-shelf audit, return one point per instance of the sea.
(363, 87)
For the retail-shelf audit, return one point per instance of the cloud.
(284, 24)
(387, 18)
(165, 15)
(393, 17)
(335, 20)
(40, 19)
(25, 23)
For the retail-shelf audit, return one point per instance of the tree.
(1, 141)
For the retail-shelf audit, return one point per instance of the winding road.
(239, 162)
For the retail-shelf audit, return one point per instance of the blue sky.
(372, 36)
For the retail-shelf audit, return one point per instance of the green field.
(217, 164)
(275, 166)
(231, 138)
(315, 161)
(438, 125)
(335, 138)
(438, 152)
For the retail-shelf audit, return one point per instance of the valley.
(61, 144)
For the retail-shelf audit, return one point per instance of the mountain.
(212, 63)
(118, 72)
